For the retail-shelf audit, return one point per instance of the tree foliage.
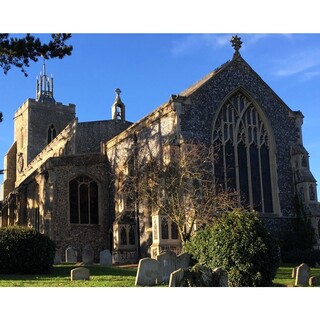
(20, 51)
(239, 243)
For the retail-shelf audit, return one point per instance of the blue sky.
(183, 42)
(148, 68)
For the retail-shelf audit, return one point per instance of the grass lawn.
(123, 276)
(60, 277)
(283, 276)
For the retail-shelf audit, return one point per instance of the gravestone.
(221, 277)
(167, 262)
(148, 272)
(80, 274)
(314, 281)
(302, 276)
(105, 258)
(87, 255)
(57, 257)
(71, 256)
(183, 261)
(177, 278)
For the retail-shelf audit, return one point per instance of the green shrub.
(240, 244)
(24, 250)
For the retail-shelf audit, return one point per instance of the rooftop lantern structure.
(44, 86)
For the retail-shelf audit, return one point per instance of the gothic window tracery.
(127, 234)
(241, 145)
(83, 201)
(169, 229)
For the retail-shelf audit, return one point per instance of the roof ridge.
(200, 82)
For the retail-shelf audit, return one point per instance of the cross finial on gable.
(236, 43)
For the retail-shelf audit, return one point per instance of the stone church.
(63, 177)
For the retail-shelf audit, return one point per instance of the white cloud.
(189, 43)
(298, 63)
(252, 39)
(311, 74)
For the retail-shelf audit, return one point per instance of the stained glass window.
(84, 201)
(241, 162)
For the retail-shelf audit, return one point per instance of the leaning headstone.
(148, 272)
(177, 278)
(105, 258)
(302, 276)
(168, 264)
(314, 281)
(183, 261)
(221, 277)
(80, 274)
(87, 255)
(71, 255)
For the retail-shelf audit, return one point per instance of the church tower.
(36, 123)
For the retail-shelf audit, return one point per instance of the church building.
(65, 178)
(56, 178)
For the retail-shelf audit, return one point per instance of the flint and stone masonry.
(65, 178)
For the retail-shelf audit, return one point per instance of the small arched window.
(52, 133)
(84, 201)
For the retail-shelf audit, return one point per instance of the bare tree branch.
(181, 187)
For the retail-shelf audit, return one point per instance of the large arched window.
(242, 147)
(52, 133)
(84, 201)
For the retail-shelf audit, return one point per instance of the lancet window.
(52, 133)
